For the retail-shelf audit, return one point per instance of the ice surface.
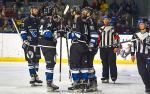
(14, 79)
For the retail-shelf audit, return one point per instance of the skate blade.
(72, 91)
(105, 82)
(92, 90)
(36, 84)
(52, 90)
(114, 82)
(80, 91)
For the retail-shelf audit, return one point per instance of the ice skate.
(92, 85)
(114, 80)
(51, 87)
(104, 80)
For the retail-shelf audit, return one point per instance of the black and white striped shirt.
(140, 45)
(107, 36)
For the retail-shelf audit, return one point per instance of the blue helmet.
(141, 21)
(106, 17)
(47, 35)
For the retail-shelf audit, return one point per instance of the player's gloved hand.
(132, 58)
(74, 35)
(55, 35)
(25, 44)
(65, 35)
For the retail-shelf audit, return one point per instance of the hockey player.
(90, 28)
(108, 54)
(79, 52)
(140, 47)
(47, 38)
(30, 34)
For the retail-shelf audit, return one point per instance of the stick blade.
(66, 9)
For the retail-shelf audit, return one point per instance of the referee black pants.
(108, 58)
(143, 68)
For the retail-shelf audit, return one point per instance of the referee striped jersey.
(108, 36)
(140, 45)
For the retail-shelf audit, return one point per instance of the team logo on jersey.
(30, 54)
(33, 32)
(91, 27)
(49, 25)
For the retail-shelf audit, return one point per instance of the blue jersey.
(30, 30)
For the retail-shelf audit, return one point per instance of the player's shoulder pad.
(25, 19)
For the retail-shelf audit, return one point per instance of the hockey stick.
(120, 43)
(22, 40)
(17, 29)
(60, 58)
(67, 29)
(60, 66)
(68, 54)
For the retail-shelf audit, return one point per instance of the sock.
(85, 75)
(75, 75)
(49, 74)
(32, 70)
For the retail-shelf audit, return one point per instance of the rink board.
(64, 61)
(11, 50)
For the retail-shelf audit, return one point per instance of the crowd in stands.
(124, 13)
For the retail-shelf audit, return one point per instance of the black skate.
(75, 87)
(35, 81)
(51, 87)
(92, 85)
(84, 86)
(38, 81)
(147, 91)
(114, 80)
(104, 80)
(32, 81)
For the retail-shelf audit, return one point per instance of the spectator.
(1, 23)
(114, 7)
(131, 7)
(9, 26)
(18, 4)
(134, 7)
(123, 5)
(2, 2)
(95, 5)
(85, 4)
(26, 2)
(104, 6)
(100, 19)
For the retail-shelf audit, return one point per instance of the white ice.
(14, 79)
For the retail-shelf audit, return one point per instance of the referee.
(140, 47)
(108, 54)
